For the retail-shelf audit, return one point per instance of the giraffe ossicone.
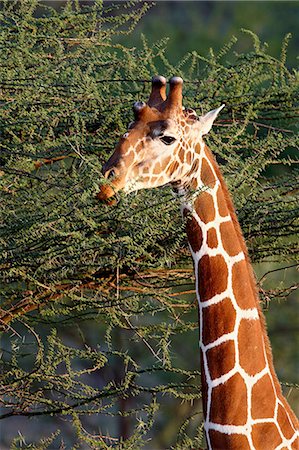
(243, 404)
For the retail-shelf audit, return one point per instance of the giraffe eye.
(167, 139)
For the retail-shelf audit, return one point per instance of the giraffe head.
(161, 146)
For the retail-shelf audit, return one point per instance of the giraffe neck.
(242, 398)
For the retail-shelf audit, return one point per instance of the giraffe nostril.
(111, 174)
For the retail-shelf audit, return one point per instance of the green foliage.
(103, 350)
(201, 25)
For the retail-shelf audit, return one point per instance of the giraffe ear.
(207, 120)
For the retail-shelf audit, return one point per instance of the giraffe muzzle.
(107, 195)
(108, 191)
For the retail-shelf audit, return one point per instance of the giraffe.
(243, 404)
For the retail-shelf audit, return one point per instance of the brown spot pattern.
(284, 422)
(206, 174)
(218, 319)
(181, 154)
(165, 162)
(160, 180)
(157, 169)
(194, 232)
(263, 399)
(221, 202)
(231, 400)
(295, 445)
(213, 275)
(173, 167)
(194, 166)
(212, 240)
(129, 158)
(194, 184)
(242, 287)
(265, 433)
(221, 359)
(197, 149)
(229, 239)
(221, 441)
(204, 206)
(251, 343)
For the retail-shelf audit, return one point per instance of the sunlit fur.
(242, 400)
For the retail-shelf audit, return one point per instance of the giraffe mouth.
(107, 193)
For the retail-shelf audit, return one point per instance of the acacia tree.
(97, 302)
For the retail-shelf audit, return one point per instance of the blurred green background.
(199, 25)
